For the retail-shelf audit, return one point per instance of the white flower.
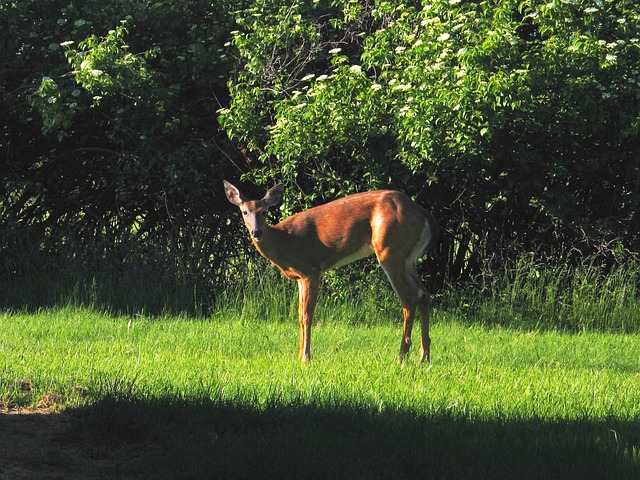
(307, 77)
(322, 77)
(429, 21)
(376, 86)
(355, 68)
(590, 10)
(335, 51)
(444, 37)
(402, 87)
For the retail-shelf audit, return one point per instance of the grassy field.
(225, 397)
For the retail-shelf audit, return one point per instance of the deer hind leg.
(419, 297)
(307, 296)
(424, 305)
(413, 295)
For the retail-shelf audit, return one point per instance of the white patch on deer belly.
(362, 252)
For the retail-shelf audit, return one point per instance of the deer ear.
(274, 195)
(234, 195)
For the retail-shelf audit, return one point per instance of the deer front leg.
(307, 296)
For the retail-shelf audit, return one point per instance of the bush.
(515, 121)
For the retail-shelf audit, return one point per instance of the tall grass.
(586, 297)
(529, 295)
(128, 278)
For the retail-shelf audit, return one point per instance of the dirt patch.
(40, 444)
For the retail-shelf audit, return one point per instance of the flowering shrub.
(517, 121)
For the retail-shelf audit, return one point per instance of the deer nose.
(257, 234)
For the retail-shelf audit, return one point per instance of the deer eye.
(245, 212)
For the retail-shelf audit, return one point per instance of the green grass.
(588, 297)
(225, 397)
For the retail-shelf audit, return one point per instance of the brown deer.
(386, 223)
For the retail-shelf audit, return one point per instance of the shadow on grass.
(209, 439)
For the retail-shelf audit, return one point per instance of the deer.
(386, 223)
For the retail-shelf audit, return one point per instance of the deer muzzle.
(256, 234)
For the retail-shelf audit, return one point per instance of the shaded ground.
(38, 444)
(177, 439)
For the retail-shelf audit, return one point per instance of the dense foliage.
(516, 121)
(111, 153)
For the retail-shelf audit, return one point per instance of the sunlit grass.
(476, 372)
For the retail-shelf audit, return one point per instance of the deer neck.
(271, 243)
